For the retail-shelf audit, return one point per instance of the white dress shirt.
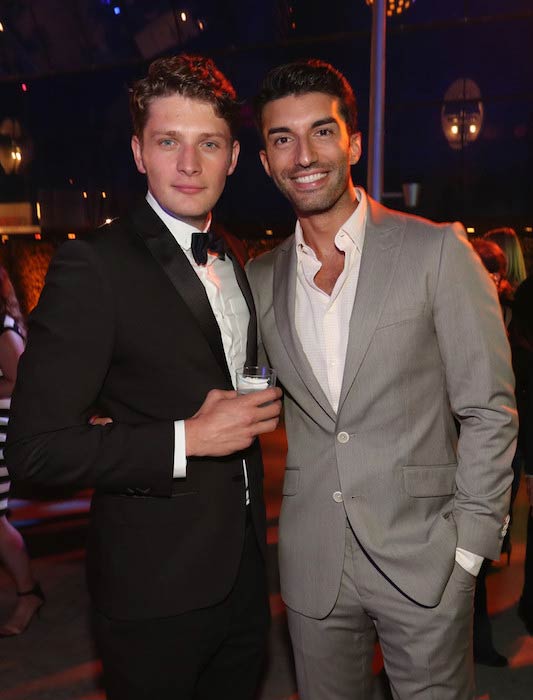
(229, 308)
(323, 321)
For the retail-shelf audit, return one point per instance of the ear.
(264, 160)
(137, 154)
(235, 150)
(356, 149)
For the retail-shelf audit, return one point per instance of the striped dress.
(6, 324)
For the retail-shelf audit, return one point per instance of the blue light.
(116, 10)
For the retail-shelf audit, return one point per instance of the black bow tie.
(203, 242)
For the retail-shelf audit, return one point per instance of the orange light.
(37, 236)
(71, 236)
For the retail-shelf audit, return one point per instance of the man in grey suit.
(385, 331)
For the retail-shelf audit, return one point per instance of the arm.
(479, 381)
(11, 348)
(69, 352)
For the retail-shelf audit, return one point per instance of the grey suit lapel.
(284, 308)
(383, 236)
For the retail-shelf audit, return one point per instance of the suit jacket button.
(337, 496)
(343, 437)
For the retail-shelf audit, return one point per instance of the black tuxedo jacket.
(124, 325)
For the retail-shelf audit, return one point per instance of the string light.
(395, 7)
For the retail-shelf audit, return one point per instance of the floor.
(55, 658)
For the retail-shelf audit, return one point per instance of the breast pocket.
(392, 317)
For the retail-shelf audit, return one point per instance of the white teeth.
(310, 178)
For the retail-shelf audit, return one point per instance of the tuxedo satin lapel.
(284, 308)
(381, 247)
(242, 281)
(166, 251)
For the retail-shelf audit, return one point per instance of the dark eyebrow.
(314, 125)
(203, 135)
(324, 122)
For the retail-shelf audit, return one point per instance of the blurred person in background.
(521, 334)
(495, 262)
(13, 552)
(508, 241)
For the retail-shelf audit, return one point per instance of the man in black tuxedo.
(141, 324)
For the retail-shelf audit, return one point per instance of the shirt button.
(337, 496)
(343, 437)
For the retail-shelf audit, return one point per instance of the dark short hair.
(196, 77)
(301, 77)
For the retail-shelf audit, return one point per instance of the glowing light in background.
(395, 7)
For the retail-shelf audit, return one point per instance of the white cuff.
(180, 458)
(469, 561)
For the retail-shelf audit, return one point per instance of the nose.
(188, 160)
(306, 154)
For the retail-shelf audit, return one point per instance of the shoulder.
(264, 263)
(415, 229)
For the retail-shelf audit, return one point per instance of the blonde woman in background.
(509, 242)
(13, 552)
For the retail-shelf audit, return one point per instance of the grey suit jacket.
(426, 345)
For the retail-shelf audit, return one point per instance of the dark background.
(77, 59)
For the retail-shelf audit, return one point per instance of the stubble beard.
(315, 202)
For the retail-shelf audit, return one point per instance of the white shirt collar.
(181, 231)
(353, 227)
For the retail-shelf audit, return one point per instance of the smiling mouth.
(308, 179)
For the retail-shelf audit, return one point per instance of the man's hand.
(227, 422)
(100, 420)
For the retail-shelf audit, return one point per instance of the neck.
(201, 222)
(319, 229)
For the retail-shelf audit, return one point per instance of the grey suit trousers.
(427, 651)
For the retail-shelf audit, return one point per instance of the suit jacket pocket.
(291, 481)
(393, 317)
(430, 481)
